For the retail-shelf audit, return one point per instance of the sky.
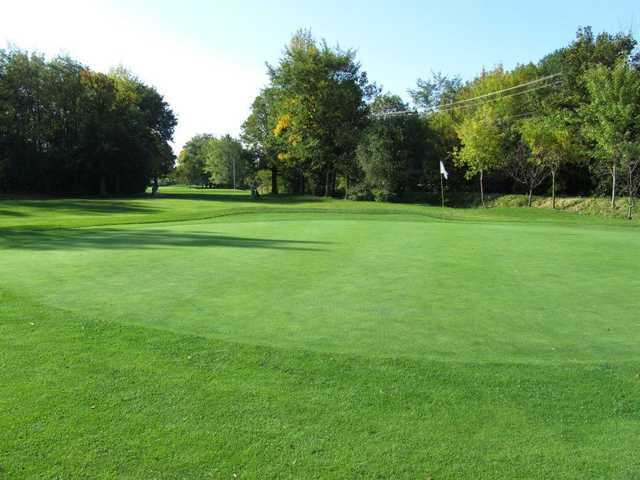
(207, 58)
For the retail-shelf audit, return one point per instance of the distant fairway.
(375, 286)
(200, 336)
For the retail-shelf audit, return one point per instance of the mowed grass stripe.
(98, 399)
(19, 214)
(457, 291)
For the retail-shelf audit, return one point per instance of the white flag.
(443, 171)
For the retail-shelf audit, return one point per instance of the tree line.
(214, 162)
(568, 123)
(67, 129)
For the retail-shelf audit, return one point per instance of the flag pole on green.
(443, 173)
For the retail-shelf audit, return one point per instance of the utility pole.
(233, 160)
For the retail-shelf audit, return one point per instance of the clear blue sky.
(207, 57)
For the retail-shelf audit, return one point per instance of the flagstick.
(442, 192)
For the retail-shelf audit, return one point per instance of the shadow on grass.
(11, 213)
(213, 196)
(144, 203)
(120, 239)
(82, 206)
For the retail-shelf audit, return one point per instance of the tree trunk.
(631, 191)
(553, 189)
(234, 173)
(613, 187)
(334, 180)
(326, 182)
(103, 185)
(274, 180)
(529, 199)
(482, 188)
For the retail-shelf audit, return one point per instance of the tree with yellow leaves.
(481, 145)
(320, 110)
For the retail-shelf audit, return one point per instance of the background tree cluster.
(214, 162)
(320, 126)
(568, 123)
(67, 129)
(571, 133)
(306, 123)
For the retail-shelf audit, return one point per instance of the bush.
(359, 192)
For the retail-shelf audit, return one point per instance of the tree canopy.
(567, 123)
(68, 129)
(319, 108)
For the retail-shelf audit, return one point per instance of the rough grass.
(592, 206)
(202, 335)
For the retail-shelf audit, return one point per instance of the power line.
(465, 103)
(454, 107)
(395, 114)
(531, 82)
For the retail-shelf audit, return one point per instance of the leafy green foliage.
(481, 141)
(553, 142)
(386, 104)
(227, 163)
(440, 89)
(259, 137)
(613, 120)
(67, 129)
(320, 96)
(192, 161)
(391, 154)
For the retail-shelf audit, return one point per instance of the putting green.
(411, 287)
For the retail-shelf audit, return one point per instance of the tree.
(481, 149)
(193, 160)
(391, 154)
(226, 161)
(147, 133)
(258, 135)
(585, 52)
(552, 140)
(67, 129)
(438, 90)
(523, 168)
(319, 95)
(388, 104)
(23, 139)
(613, 120)
(631, 165)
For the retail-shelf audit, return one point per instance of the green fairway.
(202, 335)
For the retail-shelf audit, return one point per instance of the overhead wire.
(531, 82)
(499, 98)
(465, 103)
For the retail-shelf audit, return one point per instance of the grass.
(202, 335)
(592, 206)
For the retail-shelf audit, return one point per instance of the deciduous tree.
(481, 145)
(552, 140)
(320, 97)
(613, 120)
(226, 161)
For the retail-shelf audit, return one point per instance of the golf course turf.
(203, 335)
